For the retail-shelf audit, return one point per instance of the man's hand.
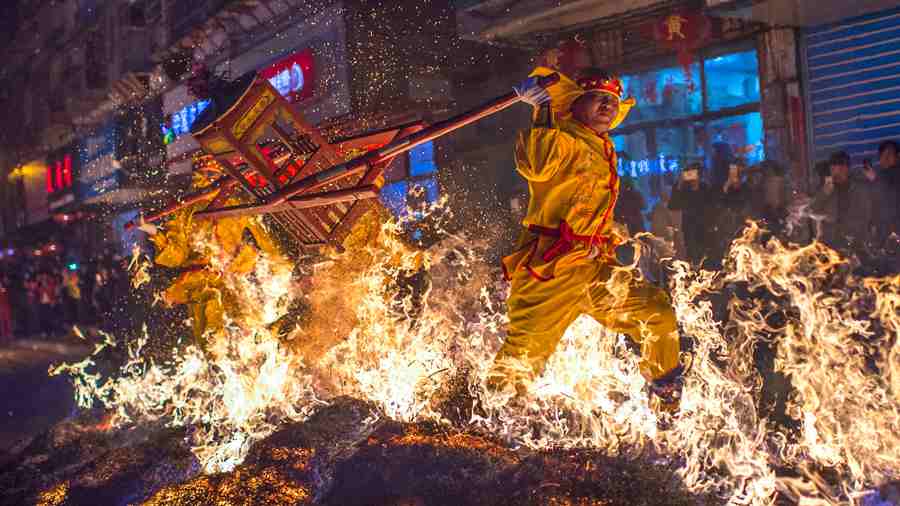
(531, 92)
(828, 187)
(690, 180)
(869, 171)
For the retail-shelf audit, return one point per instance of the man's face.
(888, 158)
(596, 110)
(840, 173)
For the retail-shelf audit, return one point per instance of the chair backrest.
(264, 142)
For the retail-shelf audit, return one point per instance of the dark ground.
(32, 401)
(337, 457)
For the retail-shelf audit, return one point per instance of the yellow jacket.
(571, 173)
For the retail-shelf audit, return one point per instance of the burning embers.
(399, 347)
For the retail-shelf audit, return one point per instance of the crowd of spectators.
(854, 210)
(47, 297)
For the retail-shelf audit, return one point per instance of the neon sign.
(289, 80)
(658, 165)
(59, 175)
(183, 120)
(292, 76)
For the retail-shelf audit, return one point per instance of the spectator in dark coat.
(845, 206)
(887, 181)
(630, 206)
(698, 206)
(734, 205)
(721, 160)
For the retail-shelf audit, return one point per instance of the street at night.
(34, 401)
(450, 252)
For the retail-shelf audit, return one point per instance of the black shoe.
(667, 389)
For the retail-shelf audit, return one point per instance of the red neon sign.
(293, 77)
(59, 175)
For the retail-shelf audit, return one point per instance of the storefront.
(711, 88)
(308, 63)
(62, 172)
(707, 112)
(851, 68)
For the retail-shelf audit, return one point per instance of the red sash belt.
(566, 239)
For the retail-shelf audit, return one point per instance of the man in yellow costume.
(565, 257)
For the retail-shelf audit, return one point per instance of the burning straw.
(838, 347)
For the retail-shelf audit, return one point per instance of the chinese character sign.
(674, 27)
(662, 164)
(685, 32)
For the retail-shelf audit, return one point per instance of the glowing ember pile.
(423, 355)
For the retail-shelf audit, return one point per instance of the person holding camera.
(845, 210)
(698, 206)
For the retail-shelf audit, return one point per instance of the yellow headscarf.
(564, 93)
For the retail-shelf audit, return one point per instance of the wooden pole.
(305, 202)
(221, 184)
(400, 146)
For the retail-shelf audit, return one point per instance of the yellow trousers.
(541, 311)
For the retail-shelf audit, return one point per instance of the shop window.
(664, 94)
(393, 196)
(421, 160)
(731, 80)
(738, 136)
(677, 147)
(397, 196)
(631, 147)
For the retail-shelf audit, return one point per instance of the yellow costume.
(565, 257)
(200, 286)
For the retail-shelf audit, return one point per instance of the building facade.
(854, 90)
(711, 87)
(76, 78)
(387, 70)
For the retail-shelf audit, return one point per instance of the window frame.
(705, 116)
(409, 179)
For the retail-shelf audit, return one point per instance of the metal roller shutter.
(853, 75)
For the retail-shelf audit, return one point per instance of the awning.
(797, 13)
(494, 20)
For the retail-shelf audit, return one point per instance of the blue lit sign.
(101, 185)
(183, 120)
(658, 165)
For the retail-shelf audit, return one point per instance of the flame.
(838, 346)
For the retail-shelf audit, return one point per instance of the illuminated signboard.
(60, 179)
(99, 143)
(183, 120)
(292, 76)
(660, 165)
(59, 175)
